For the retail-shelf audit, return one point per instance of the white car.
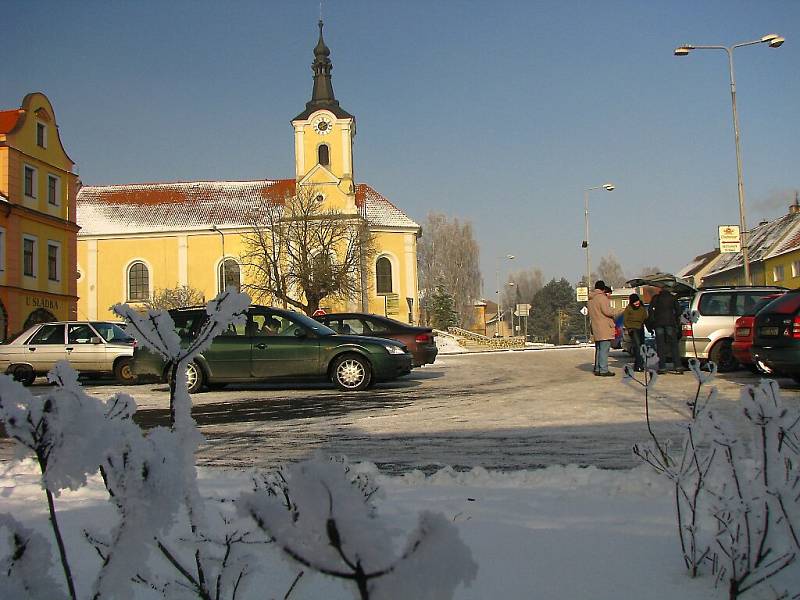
(91, 347)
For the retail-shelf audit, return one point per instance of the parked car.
(280, 345)
(743, 337)
(420, 341)
(776, 341)
(91, 347)
(580, 339)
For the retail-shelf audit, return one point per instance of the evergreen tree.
(441, 307)
(555, 301)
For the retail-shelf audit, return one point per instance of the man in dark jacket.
(665, 321)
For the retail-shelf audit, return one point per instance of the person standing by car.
(602, 318)
(665, 321)
(633, 320)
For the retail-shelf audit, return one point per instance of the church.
(139, 238)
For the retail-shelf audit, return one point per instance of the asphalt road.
(501, 410)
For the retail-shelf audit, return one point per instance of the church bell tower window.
(323, 155)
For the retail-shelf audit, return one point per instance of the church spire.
(322, 93)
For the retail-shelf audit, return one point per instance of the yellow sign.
(582, 294)
(729, 239)
(392, 304)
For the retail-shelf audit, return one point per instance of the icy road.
(506, 410)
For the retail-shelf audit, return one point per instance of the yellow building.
(139, 238)
(37, 219)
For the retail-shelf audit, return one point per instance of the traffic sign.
(582, 294)
(729, 240)
(318, 313)
(584, 311)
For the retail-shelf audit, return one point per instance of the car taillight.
(423, 338)
(742, 332)
(796, 328)
(687, 330)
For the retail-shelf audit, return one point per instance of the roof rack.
(738, 287)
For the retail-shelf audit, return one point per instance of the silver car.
(91, 347)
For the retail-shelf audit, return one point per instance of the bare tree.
(448, 255)
(298, 253)
(526, 284)
(610, 271)
(178, 297)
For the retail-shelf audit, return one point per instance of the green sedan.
(280, 345)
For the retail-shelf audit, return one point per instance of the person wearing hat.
(665, 321)
(633, 319)
(602, 317)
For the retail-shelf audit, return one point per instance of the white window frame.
(777, 273)
(219, 268)
(796, 268)
(57, 245)
(35, 240)
(127, 280)
(43, 125)
(395, 270)
(34, 181)
(3, 239)
(57, 198)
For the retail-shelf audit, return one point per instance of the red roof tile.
(9, 119)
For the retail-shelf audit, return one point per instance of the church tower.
(323, 139)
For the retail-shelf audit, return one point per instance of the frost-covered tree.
(610, 271)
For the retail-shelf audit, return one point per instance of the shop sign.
(729, 240)
(41, 302)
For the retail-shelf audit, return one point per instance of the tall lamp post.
(609, 187)
(774, 41)
(498, 290)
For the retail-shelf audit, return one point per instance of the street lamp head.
(510, 256)
(609, 187)
(775, 41)
(683, 50)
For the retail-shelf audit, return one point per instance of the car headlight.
(395, 350)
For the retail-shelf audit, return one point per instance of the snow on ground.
(560, 532)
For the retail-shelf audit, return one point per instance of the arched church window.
(383, 275)
(323, 155)
(138, 282)
(229, 275)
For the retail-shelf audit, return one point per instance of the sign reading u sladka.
(729, 240)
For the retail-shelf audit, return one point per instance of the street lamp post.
(498, 290)
(510, 285)
(609, 187)
(774, 41)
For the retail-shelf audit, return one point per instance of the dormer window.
(41, 135)
(323, 155)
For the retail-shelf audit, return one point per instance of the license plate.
(769, 331)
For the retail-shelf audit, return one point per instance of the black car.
(277, 345)
(420, 341)
(776, 340)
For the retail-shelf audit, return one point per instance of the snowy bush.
(737, 496)
(167, 540)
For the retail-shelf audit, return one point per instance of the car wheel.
(24, 374)
(722, 354)
(123, 371)
(194, 377)
(351, 373)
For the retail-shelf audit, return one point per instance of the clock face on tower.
(322, 125)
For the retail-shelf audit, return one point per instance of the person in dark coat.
(633, 320)
(665, 321)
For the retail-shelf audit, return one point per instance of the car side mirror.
(300, 332)
(95, 340)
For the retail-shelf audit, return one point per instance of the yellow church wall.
(400, 249)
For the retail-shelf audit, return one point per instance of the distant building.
(37, 219)
(141, 237)
(693, 273)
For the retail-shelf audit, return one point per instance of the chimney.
(795, 208)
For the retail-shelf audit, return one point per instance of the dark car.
(280, 345)
(420, 341)
(776, 341)
(743, 337)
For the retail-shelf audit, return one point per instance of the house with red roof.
(138, 238)
(38, 231)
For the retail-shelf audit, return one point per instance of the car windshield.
(111, 332)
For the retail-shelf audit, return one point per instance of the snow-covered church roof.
(196, 205)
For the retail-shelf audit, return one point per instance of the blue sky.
(500, 113)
